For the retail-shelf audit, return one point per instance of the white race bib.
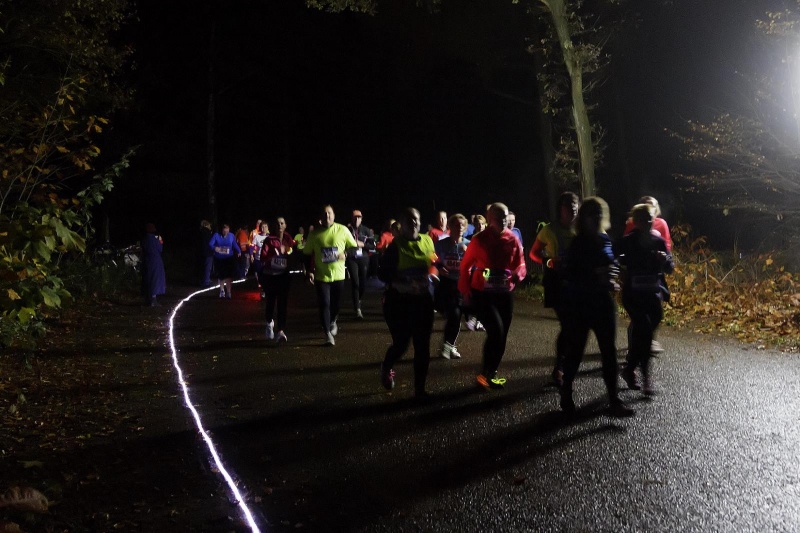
(330, 255)
(278, 263)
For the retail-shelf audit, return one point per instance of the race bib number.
(496, 280)
(278, 264)
(453, 265)
(330, 255)
(224, 250)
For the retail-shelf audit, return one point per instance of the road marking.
(206, 437)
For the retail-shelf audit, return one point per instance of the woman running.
(450, 251)
(225, 246)
(275, 278)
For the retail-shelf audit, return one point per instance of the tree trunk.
(211, 130)
(580, 115)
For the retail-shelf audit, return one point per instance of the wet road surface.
(319, 445)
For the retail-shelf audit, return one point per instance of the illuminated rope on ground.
(211, 448)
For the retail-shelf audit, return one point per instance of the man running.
(328, 244)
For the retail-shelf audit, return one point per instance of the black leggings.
(646, 313)
(329, 297)
(594, 311)
(448, 302)
(409, 317)
(357, 268)
(494, 310)
(276, 289)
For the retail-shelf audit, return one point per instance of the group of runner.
(445, 271)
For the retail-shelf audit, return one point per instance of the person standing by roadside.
(439, 230)
(275, 278)
(549, 250)
(407, 302)
(205, 253)
(225, 246)
(492, 266)
(154, 280)
(590, 274)
(447, 299)
(358, 260)
(646, 259)
(327, 244)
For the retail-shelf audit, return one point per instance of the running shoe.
(334, 328)
(495, 383)
(270, 332)
(449, 351)
(222, 293)
(472, 323)
(329, 340)
(387, 378)
(617, 409)
(648, 388)
(280, 338)
(655, 347)
(629, 377)
(359, 314)
(263, 295)
(479, 326)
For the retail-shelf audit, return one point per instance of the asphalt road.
(319, 445)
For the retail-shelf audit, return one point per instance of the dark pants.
(597, 312)
(208, 263)
(494, 310)
(448, 302)
(561, 338)
(409, 317)
(329, 297)
(646, 313)
(357, 267)
(276, 289)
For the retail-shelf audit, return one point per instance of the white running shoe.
(334, 328)
(449, 351)
(472, 323)
(329, 340)
(280, 338)
(270, 332)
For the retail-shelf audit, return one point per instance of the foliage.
(747, 159)
(58, 66)
(752, 297)
(573, 53)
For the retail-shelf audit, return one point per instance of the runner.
(327, 245)
(450, 251)
(491, 267)
(439, 230)
(549, 249)
(275, 277)
(590, 273)
(646, 259)
(224, 246)
(407, 302)
(255, 245)
(358, 260)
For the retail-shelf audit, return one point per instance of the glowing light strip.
(206, 437)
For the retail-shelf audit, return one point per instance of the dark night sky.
(403, 108)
